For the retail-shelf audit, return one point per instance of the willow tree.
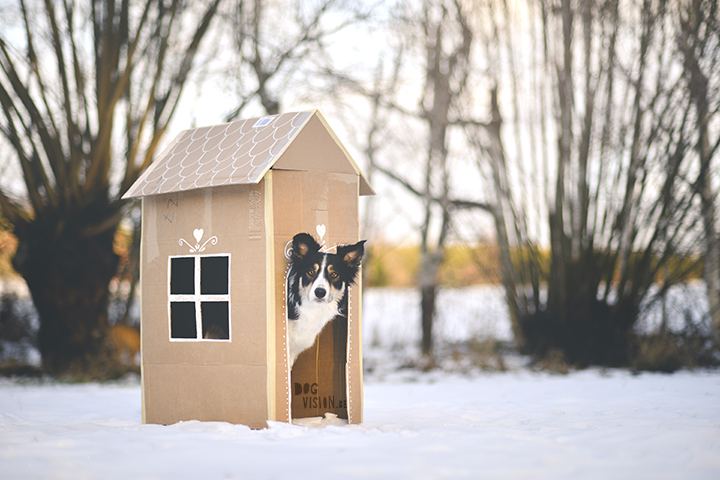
(87, 91)
(698, 41)
(606, 182)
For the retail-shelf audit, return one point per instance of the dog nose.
(320, 292)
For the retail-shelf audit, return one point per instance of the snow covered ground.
(592, 424)
(519, 424)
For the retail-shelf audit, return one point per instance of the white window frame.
(198, 298)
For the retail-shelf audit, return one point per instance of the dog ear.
(303, 244)
(352, 254)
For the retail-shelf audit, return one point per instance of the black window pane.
(215, 320)
(214, 275)
(182, 276)
(182, 320)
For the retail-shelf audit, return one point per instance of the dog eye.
(333, 275)
(311, 272)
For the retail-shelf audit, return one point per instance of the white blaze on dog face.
(321, 283)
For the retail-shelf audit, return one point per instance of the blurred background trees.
(697, 33)
(87, 91)
(440, 35)
(597, 152)
(282, 46)
(621, 168)
(572, 144)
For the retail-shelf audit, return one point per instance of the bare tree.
(271, 58)
(87, 91)
(698, 41)
(616, 201)
(442, 30)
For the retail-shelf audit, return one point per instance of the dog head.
(322, 277)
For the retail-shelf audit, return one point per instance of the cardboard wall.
(246, 379)
(328, 376)
(209, 380)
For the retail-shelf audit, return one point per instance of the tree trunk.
(711, 259)
(68, 279)
(428, 283)
(428, 295)
(497, 158)
(699, 90)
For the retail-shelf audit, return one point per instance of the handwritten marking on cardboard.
(172, 217)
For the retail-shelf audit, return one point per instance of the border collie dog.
(317, 288)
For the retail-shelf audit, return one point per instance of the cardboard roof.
(242, 152)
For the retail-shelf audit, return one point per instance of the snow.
(389, 315)
(591, 424)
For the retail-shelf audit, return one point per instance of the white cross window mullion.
(198, 313)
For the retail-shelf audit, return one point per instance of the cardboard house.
(220, 207)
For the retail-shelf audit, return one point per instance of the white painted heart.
(198, 234)
(320, 229)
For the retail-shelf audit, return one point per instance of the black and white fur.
(317, 288)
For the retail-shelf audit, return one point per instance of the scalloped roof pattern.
(239, 152)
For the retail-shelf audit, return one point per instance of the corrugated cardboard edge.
(287, 407)
(143, 374)
(270, 316)
(349, 355)
(353, 365)
(355, 394)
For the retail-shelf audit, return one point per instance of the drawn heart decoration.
(320, 229)
(198, 234)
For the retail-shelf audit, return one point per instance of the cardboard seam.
(271, 317)
(286, 353)
(348, 356)
(143, 364)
